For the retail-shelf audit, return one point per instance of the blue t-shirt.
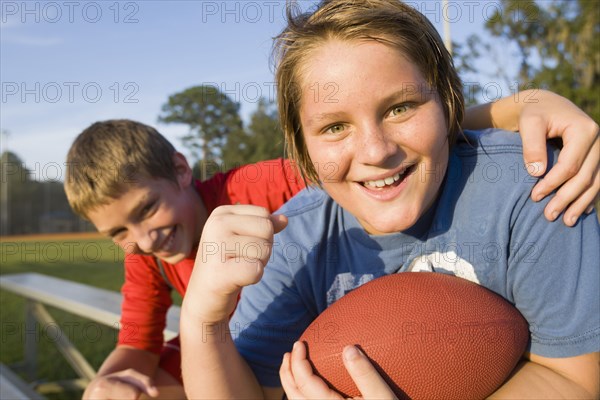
(483, 228)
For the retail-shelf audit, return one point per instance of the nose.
(144, 239)
(375, 146)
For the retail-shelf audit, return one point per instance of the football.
(430, 335)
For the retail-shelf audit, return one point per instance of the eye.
(335, 129)
(148, 208)
(400, 109)
(117, 235)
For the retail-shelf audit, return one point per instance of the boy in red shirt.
(132, 184)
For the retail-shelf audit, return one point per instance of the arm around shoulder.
(540, 115)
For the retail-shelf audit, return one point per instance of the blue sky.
(66, 64)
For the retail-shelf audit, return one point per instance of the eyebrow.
(407, 91)
(108, 232)
(141, 204)
(318, 118)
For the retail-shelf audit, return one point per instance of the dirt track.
(53, 236)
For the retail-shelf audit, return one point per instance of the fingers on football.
(368, 381)
(298, 379)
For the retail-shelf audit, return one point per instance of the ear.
(183, 172)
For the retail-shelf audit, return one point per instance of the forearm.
(503, 113)
(534, 381)
(211, 364)
(126, 373)
(126, 357)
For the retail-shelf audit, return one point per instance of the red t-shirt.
(146, 294)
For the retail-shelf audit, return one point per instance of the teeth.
(383, 182)
(167, 246)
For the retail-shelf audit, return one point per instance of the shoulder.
(487, 182)
(261, 171)
(308, 202)
(312, 216)
(492, 160)
(267, 184)
(496, 138)
(495, 142)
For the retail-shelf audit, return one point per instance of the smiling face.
(375, 132)
(155, 216)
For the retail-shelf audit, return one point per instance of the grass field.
(89, 260)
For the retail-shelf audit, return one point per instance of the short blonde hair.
(109, 157)
(387, 21)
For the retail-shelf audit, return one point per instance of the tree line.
(29, 206)
(555, 45)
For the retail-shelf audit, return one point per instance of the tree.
(464, 56)
(211, 116)
(263, 140)
(557, 47)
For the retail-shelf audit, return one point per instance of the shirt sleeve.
(555, 280)
(146, 300)
(548, 270)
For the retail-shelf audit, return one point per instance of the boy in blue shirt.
(401, 188)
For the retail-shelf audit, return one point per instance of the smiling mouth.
(167, 245)
(393, 180)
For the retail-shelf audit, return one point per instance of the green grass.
(94, 262)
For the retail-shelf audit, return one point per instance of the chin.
(393, 224)
(174, 259)
(385, 228)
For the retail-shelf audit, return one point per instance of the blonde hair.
(109, 157)
(387, 21)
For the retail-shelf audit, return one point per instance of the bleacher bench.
(14, 388)
(99, 305)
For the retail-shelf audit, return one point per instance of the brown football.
(431, 336)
